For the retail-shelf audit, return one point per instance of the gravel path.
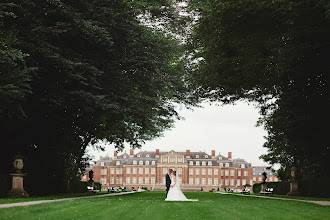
(268, 197)
(57, 200)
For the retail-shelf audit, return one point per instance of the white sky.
(229, 128)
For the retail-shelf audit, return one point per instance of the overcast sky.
(229, 128)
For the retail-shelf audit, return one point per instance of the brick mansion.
(196, 170)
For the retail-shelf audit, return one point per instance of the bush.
(280, 188)
(5, 184)
(98, 185)
(318, 187)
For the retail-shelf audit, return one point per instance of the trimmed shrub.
(5, 184)
(318, 187)
(280, 188)
(98, 185)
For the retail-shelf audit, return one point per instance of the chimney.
(115, 154)
(187, 153)
(229, 156)
(157, 153)
(131, 153)
(213, 154)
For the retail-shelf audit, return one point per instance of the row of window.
(128, 170)
(270, 178)
(255, 174)
(215, 172)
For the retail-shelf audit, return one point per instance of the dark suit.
(168, 183)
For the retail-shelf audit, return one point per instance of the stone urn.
(264, 183)
(294, 184)
(17, 185)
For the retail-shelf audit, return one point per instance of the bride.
(175, 193)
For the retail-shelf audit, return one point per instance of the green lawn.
(151, 205)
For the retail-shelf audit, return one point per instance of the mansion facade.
(196, 170)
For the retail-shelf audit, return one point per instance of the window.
(245, 173)
(226, 164)
(215, 171)
(226, 172)
(197, 156)
(221, 182)
(102, 164)
(191, 181)
(221, 164)
(220, 158)
(147, 162)
(232, 182)
(117, 163)
(209, 171)
(203, 181)
(117, 171)
(209, 181)
(203, 163)
(254, 168)
(138, 155)
(152, 170)
(276, 179)
(270, 174)
(164, 170)
(191, 163)
(226, 182)
(270, 178)
(164, 159)
(180, 159)
(197, 171)
(172, 159)
(242, 165)
(239, 173)
(103, 181)
(104, 172)
(209, 163)
(112, 171)
(238, 182)
(191, 172)
(134, 180)
(221, 172)
(140, 162)
(84, 177)
(152, 180)
(164, 181)
(196, 181)
(259, 178)
(117, 180)
(232, 173)
(146, 180)
(128, 170)
(140, 170)
(140, 180)
(259, 174)
(124, 157)
(197, 163)
(146, 170)
(134, 170)
(112, 181)
(203, 171)
(254, 178)
(134, 162)
(153, 162)
(179, 170)
(128, 180)
(147, 156)
(243, 182)
(215, 181)
(206, 156)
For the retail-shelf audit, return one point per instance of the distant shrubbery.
(280, 188)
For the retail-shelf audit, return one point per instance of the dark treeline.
(274, 53)
(75, 72)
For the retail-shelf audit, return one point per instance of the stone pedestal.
(294, 189)
(263, 187)
(17, 188)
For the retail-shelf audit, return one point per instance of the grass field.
(151, 205)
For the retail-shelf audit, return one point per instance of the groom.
(168, 181)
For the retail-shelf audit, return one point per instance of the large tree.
(99, 74)
(275, 53)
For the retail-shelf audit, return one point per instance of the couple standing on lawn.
(173, 190)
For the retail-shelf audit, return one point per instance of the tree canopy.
(275, 53)
(75, 72)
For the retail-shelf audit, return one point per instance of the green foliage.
(318, 187)
(98, 185)
(98, 74)
(280, 188)
(4, 185)
(274, 53)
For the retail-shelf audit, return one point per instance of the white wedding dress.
(175, 193)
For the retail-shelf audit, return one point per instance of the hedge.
(5, 184)
(280, 188)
